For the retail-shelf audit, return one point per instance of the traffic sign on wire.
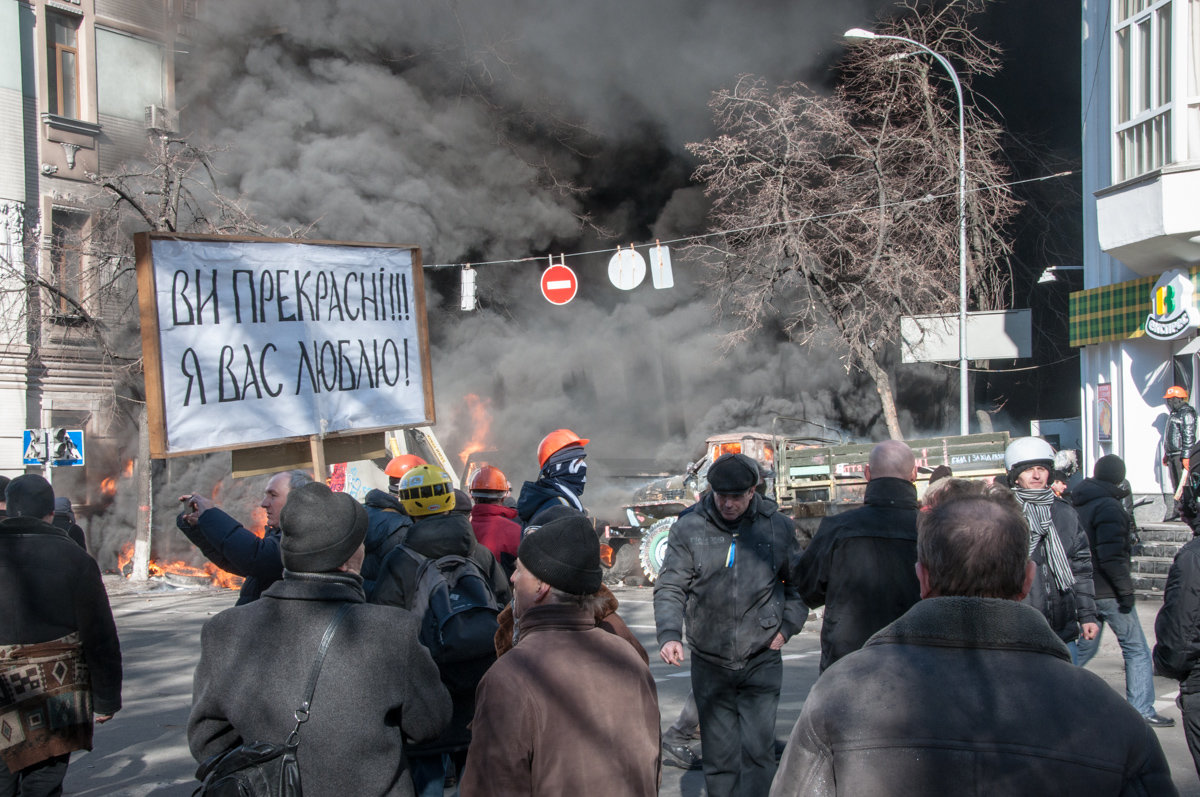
(559, 283)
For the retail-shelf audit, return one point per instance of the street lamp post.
(964, 417)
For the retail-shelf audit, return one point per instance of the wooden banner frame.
(317, 444)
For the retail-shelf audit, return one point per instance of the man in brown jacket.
(538, 729)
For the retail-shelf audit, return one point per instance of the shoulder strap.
(311, 687)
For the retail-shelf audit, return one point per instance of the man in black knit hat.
(726, 571)
(537, 729)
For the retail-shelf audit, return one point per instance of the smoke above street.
(485, 131)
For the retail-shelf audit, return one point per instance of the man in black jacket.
(234, 548)
(378, 689)
(1098, 504)
(859, 565)
(1177, 647)
(60, 659)
(726, 569)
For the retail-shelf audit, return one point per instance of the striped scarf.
(1036, 506)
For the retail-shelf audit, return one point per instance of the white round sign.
(627, 269)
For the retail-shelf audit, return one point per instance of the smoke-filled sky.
(486, 130)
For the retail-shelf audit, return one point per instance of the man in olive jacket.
(540, 727)
(726, 569)
(378, 687)
(859, 565)
(970, 692)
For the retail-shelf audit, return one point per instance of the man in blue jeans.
(1098, 504)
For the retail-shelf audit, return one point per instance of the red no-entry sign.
(559, 284)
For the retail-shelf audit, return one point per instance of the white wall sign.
(991, 335)
(254, 341)
(1172, 307)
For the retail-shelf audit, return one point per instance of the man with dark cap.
(60, 658)
(231, 546)
(378, 687)
(859, 565)
(726, 570)
(538, 729)
(1098, 505)
(64, 518)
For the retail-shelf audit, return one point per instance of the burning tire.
(625, 563)
(654, 547)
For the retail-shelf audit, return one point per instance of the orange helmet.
(557, 441)
(489, 481)
(1176, 392)
(398, 466)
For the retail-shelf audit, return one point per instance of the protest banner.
(253, 341)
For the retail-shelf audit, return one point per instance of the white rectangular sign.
(264, 340)
(991, 335)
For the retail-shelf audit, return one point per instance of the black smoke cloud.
(498, 130)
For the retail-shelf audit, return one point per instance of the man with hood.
(427, 494)
(387, 522)
(378, 688)
(562, 477)
(1062, 585)
(1098, 503)
(727, 571)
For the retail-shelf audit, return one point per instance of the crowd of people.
(954, 632)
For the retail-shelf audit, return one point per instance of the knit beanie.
(564, 553)
(321, 529)
(733, 473)
(29, 496)
(1109, 468)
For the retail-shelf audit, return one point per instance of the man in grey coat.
(970, 691)
(726, 572)
(378, 687)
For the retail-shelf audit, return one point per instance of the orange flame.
(108, 487)
(258, 522)
(216, 576)
(128, 468)
(481, 425)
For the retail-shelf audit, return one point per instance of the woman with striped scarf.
(1062, 583)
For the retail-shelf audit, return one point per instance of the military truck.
(809, 478)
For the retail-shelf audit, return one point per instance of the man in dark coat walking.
(969, 692)
(859, 565)
(1098, 504)
(60, 660)
(378, 687)
(726, 570)
(234, 548)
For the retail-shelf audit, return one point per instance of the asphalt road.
(143, 750)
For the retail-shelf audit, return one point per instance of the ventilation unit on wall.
(159, 120)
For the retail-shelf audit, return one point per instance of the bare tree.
(71, 297)
(842, 210)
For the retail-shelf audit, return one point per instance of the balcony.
(1152, 222)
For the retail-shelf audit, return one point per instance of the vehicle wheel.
(654, 547)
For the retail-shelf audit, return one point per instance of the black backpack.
(1189, 496)
(457, 607)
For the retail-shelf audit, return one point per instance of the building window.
(1142, 90)
(67, 236)
(62, 67)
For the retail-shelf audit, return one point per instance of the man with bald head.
(859, 566)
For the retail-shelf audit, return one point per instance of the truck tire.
(654, 547)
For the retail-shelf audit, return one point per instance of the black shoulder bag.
(265, 769)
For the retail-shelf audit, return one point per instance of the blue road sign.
(66, 447)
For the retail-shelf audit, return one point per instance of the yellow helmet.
(426, 490)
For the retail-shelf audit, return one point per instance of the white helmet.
(1028, 451)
